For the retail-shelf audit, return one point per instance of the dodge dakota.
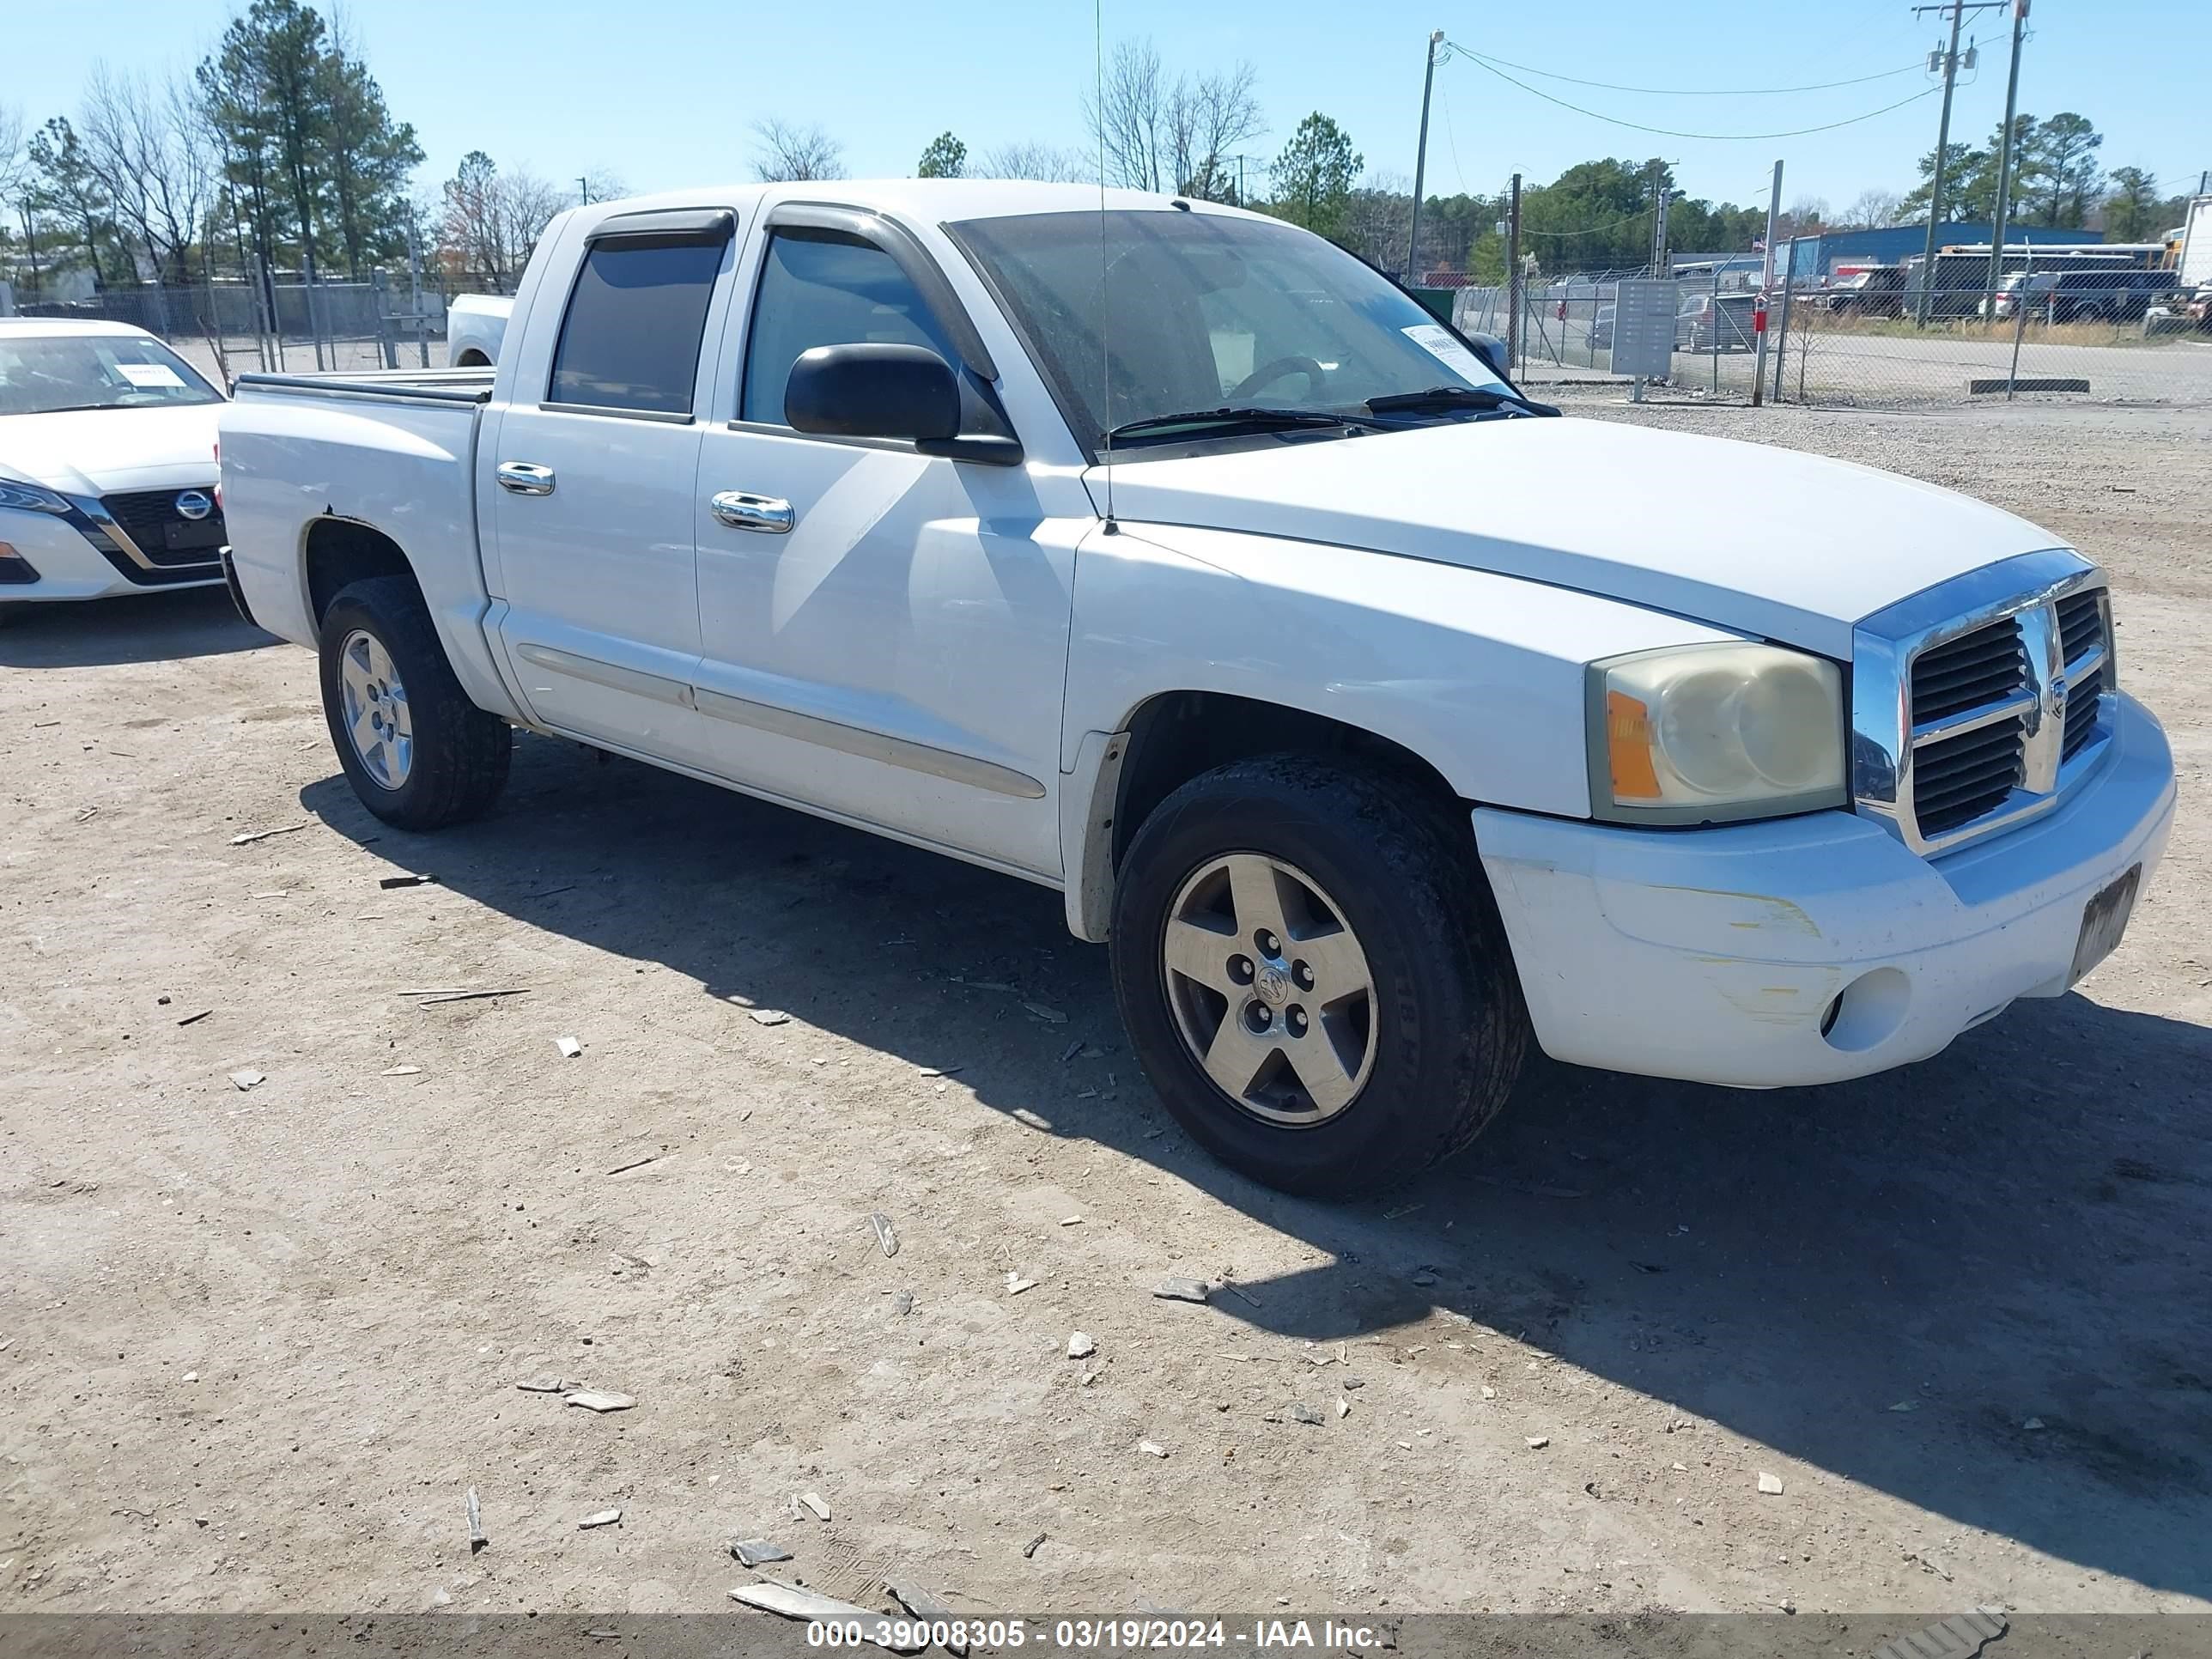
(1377, 718)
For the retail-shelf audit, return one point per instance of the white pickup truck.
(1164, 555)
(475, 323)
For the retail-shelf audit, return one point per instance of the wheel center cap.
(1271, 985)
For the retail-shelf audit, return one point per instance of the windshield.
(1137, 315)
(45, 374)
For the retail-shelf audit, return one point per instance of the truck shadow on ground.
(199, 621)
(1977, 1285)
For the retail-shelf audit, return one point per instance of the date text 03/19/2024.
(1260, 1636)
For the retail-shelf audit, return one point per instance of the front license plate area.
(192, 536)
(2104, 919)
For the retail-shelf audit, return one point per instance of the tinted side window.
(630, 339)
(816, 288)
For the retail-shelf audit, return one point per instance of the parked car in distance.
(475, 324)
(2078, 296)
(108, 464)
(2180, 312)
(1877, 291)
(1235, 598)
(1709, 323)
(1599, 336)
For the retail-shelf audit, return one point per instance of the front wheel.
(419, 754)
(1313, 974)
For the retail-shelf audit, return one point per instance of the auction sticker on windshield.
(1435, 339)
(146, 376)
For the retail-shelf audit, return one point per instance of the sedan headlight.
(31, 498)
(1705, 733)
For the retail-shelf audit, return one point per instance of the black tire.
(461, 754)
(1449, 1026)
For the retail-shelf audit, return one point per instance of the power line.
(1697, 92)
(1672, 132)
(1592, 230)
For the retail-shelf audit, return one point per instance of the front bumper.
(1715, 955)
(65, 563)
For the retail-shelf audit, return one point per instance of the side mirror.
(1492, 350)
(874, 390)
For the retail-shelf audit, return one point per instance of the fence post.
(1782, 336)
(414, 296)
(379, 294)
(2019, 328)
(1716, 328)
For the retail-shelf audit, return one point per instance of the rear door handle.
(740, 511)
(524, 478)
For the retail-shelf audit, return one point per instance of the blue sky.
(662, 93)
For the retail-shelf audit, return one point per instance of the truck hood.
(1767, 542)
(95, 451)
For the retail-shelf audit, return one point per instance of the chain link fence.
(2104, 334)
(226, 328)
(2100, 334)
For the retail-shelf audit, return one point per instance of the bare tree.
(1046, 162)
(784, 151)
(491, 221)
(1127, 111)
(1378, 217)
(154, 157)
(602, 186)
(1874, 210)
(1210, 117)
(15, 161)
(1174, 134)
(1805, 216)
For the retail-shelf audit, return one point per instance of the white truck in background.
(1166, 556)
(475, 325)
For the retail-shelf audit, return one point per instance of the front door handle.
(524, 478)
(765, 513)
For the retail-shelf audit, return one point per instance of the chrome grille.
(1985, 666)
(1957, 779)
(2080, 623)
(165, 536)
(1976, 703)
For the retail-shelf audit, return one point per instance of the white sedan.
(107, 464)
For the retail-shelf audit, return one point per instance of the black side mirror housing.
(1492, 350)
(874, 390)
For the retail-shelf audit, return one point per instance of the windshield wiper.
(1456, 397)
(1235, 415)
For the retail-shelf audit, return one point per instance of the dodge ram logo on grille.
(195, 504)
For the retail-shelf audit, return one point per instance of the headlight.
(1709, 733)
(30, 498)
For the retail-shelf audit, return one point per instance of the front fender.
(1481, 675)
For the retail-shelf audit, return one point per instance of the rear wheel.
(1313, 974)
(418, 753)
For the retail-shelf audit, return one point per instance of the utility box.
(1644, 328)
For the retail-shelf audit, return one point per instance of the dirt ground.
(256, 1346)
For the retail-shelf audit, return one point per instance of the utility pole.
(2002, 211)
(1943, 143)
(1766, 289)
(1660, 189)
(584, 187)
(1420, 163)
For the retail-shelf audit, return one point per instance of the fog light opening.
(1869, 1012)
